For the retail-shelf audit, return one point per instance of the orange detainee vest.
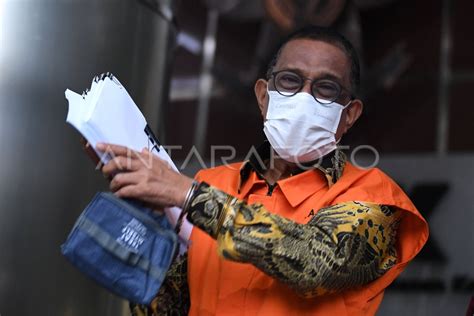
(222, 287)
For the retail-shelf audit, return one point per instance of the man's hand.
(86, 146)
(143, 176)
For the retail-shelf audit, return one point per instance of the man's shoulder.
(372, 175)
(226, 170)
(372, 185)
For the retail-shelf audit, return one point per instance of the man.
(303, 233)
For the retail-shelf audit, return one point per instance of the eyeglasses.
(289, 83)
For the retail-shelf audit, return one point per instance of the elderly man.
(302, 232)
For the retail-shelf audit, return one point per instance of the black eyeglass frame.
(313, 81)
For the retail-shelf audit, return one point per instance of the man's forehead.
(313, 57)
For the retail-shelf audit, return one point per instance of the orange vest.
(222, 287)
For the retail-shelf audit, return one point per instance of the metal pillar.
(205, 84)
(442, 138)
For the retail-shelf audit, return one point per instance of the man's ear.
(260, 90)
(353, 112)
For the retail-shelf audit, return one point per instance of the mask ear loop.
(343, 108)
(347, 104)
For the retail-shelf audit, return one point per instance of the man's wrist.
(189, 195)
(184, 189)
(185, 204)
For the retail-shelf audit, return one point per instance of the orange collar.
(297, 187)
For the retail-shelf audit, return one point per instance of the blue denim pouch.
(123, 246)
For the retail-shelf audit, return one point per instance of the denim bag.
(123, 246)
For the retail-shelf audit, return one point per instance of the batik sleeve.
(342, 246)
(173, 296)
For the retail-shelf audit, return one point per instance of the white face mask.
(299, 128)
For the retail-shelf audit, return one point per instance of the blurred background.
(191, 65)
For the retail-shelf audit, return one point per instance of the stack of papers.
(105, 113)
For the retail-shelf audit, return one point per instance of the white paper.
(107, 114)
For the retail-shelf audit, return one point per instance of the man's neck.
(280, 169)
(272, 168)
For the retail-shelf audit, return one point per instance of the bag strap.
(110, 244)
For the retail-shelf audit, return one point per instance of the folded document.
(106, 113)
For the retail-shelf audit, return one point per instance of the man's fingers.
(127, 192)
(124, 179)
(115, 150)
(113, 166)
(118, 164)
